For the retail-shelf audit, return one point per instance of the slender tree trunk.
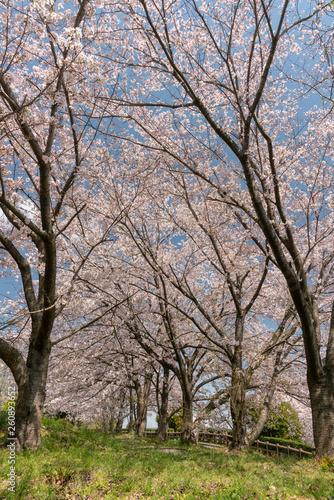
(120, 418)
(319, 374)
(257, 428)
(131, 426)
(142, 402)
(163, 408)
(105, 419)
(111, 423)
(238, 390)
(104, 424)
(238, 412)
(119, 423)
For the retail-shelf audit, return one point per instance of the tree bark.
(187, 429)
(322, 404)
(120, 418)
(111, 423)
(30, 402)
(238, 413)
(322, 400)
(238, 388)
(142, 402)
(163, 408)
(131, 426)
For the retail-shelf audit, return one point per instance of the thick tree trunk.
(322, 403)
(30, 402)
(163, 408)
(187, 429)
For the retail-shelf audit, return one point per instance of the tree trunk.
(119, 423)
(238, 412)
(319, 375)
(111, 423)
(120, 418)
(322, 404)
(104, 424)
(238, 389)
(30, 402)
(163, 408)
(142, 402)
(131, 426)
(257, 428)
(187, 429)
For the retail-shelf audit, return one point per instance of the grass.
(80, 463)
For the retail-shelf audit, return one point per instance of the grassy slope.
(78, 463)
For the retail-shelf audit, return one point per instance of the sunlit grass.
(80, 463)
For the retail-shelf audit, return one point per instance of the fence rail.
(264, 446)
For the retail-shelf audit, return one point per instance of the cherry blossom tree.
(222, 79)
(49, 122)
(236, 97)
(222, 288)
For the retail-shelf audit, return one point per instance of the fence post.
(267, 448)
(277, 452)
(288, 450)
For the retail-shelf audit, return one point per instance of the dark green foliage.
(175, 422)
(61, 414)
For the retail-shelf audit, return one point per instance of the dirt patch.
(170, 450)
(164, 450)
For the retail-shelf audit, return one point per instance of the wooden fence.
(220, 438)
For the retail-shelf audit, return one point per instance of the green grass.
(80, 463)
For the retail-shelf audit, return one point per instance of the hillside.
(80, 463)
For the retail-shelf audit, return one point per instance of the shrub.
(283, 422)
(175, 422)
(327, 463)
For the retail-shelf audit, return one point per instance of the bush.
(283, 422)
(327, 463)
(175, 422)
